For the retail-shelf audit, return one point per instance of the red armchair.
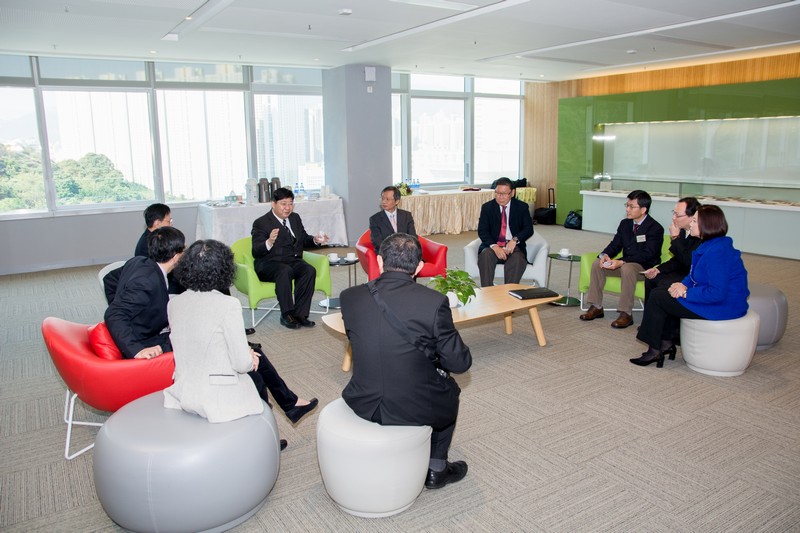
(104, 384)
(434, 255)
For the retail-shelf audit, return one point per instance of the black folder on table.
(532, 293)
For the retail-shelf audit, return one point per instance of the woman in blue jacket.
(715, 289)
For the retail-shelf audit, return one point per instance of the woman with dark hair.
(715, 289)
(211, 350)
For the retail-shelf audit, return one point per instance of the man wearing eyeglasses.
(681, 248)
(639, 237)
(503, 227)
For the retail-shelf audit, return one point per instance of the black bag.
(574, 220)
(547, 215)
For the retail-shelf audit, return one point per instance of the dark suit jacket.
(519, 222)
(681, 249)
(643, 248)
(138, 311)
(286, 249)
(141, 244)
(391, 377)
(380, 227)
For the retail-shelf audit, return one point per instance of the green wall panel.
(578, 117)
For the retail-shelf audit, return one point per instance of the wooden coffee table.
(489, 302)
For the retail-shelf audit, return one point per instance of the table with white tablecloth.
(228, 224)
(451, 212)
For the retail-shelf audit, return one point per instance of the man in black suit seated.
(155, 216)
(278, 241)
(639, 237)
(137, 315)
(503, 227)
(394, 381)
(681, 248)
(390, 219)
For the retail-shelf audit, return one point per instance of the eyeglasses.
(502, 193)
(632, 206)
(678, 215)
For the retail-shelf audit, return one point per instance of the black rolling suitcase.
(547, 215)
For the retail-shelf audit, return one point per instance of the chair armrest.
(471, 258)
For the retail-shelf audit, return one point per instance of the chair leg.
(69, 412)
(268, 310)
(327, 307)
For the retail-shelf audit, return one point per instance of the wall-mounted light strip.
(197, 17)
(502, 4)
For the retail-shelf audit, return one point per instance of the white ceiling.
(547, 40)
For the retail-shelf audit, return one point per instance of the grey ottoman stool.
(719, 347)
(773, 308)
(370, 470)
(159, 469)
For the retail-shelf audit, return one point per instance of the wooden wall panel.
(540, 157)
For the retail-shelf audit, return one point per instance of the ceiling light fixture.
(502, 4)
(199, 16)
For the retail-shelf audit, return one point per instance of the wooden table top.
(488, 302)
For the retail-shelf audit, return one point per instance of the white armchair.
(536, 271)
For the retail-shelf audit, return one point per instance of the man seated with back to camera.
(503, 227)
(394, 382)
(639, 237)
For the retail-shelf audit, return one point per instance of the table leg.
(507, 319)
(347, 362)
(536, 322)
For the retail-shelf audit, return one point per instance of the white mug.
(564, 252)
(351, 256)
(333, 257)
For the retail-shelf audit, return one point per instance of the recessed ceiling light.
(345, 11)
(631, 51)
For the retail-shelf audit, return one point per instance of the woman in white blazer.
(212, 355)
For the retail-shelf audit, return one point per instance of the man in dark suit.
(681, 248)
(503, 227)
(418, 392)
(278, 241)
(640, 238)
(155, 216)
(390, 219)
(137, 315)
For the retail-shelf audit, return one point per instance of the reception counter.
(755, 227)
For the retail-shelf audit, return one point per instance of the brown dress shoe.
(592, 313)
(623, 321)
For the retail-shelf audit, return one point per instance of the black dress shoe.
(289, 321)
(296, 413)
(284, 444)
(305, 322)
(654, 356)
(254, 345)
(249, 331)
(452, 473)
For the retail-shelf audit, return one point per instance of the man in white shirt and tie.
(390, 219)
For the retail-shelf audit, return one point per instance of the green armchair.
(613, 284)
(246, 280)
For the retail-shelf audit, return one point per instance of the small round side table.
(566, 301)
(352, 277)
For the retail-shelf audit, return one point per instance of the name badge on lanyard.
(641, 238)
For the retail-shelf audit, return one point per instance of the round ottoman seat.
(720, 347)
(159, 469)
(773, 308)
(370, 470)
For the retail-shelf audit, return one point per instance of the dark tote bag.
(574, 220)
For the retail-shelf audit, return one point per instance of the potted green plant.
(457, 282)
(405, 190)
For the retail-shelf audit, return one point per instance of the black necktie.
(285, 225)
(635, 228)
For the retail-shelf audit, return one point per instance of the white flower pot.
(453, 299)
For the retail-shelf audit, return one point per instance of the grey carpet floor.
(566, 437)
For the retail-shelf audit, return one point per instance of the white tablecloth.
(229, 224)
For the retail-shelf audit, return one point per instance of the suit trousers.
(441, 437)
(283, 274)
(514, 266)
(661, 280)
(661, 320)
(629, 273)
(266, 378)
